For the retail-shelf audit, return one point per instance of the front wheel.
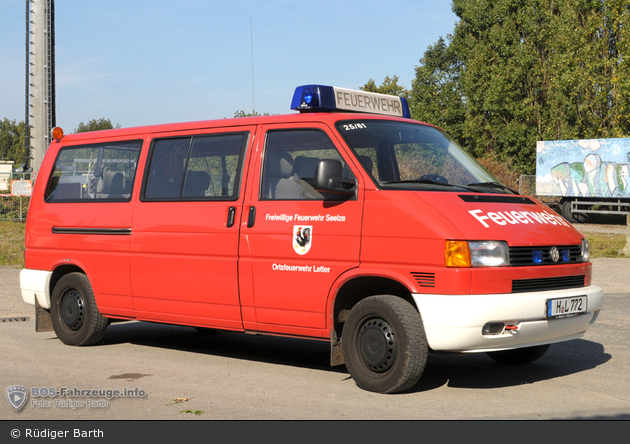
(75, 316)
(519, 356)
(384, 344)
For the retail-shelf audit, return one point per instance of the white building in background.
(6, 168)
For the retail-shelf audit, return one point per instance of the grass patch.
(196, 412)
(606, 244)
(12, 243)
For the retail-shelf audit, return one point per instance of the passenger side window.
(291, 158)
(100, 172)
(196, 168)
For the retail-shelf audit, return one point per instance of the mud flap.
(336, 353)
(43, 320)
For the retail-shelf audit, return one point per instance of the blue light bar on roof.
(312, 98)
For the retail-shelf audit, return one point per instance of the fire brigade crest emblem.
(302, 238)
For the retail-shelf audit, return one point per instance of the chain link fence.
(15, 196)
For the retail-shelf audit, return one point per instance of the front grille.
(526, 256)
(547, 284)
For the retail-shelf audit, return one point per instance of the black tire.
(574, 218)
(384, 345)
(519, 356)
(75, 316)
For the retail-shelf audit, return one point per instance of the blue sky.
(146, 62)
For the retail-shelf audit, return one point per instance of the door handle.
(231, 215)
(251, 219)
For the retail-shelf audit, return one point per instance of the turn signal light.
(457, 254)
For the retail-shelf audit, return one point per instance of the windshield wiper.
(469, 187)
(495, 185)
(420, 181)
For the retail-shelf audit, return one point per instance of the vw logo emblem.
(555, 254)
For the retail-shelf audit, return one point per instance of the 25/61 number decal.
(354, 126)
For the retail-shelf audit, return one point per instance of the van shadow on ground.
(478, 371)
(473, 371)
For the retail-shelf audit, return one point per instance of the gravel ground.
(609, 273)
(11, 303)
(595, 228)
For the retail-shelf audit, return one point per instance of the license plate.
(566, 307)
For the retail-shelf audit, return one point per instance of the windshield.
(402, 155)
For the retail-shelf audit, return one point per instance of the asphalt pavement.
(186, 375)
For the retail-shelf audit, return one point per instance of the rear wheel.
(519, 356)
(384, 345)
(565, 210)
(75, 317)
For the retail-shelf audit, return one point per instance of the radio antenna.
(251, 33)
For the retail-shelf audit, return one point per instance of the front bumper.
(454, 323)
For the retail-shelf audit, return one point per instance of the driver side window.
(290, 161)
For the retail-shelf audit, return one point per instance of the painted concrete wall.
(583, 168)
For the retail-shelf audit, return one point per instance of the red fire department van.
(347, 222)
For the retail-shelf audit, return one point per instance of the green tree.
(241, 113)
(499, 84)
(95, 125)
(528, 70)
(389, 86)
(12, 141)
(436, 95)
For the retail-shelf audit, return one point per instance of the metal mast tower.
(40, 116)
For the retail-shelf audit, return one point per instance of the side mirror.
(328, 178)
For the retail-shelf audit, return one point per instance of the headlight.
(489, 254)
(476, 254)
(586, 251)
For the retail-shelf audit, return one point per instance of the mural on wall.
(583, 168)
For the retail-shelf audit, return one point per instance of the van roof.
(324, 117)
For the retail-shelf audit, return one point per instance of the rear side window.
(94, 173)
(206, 167)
